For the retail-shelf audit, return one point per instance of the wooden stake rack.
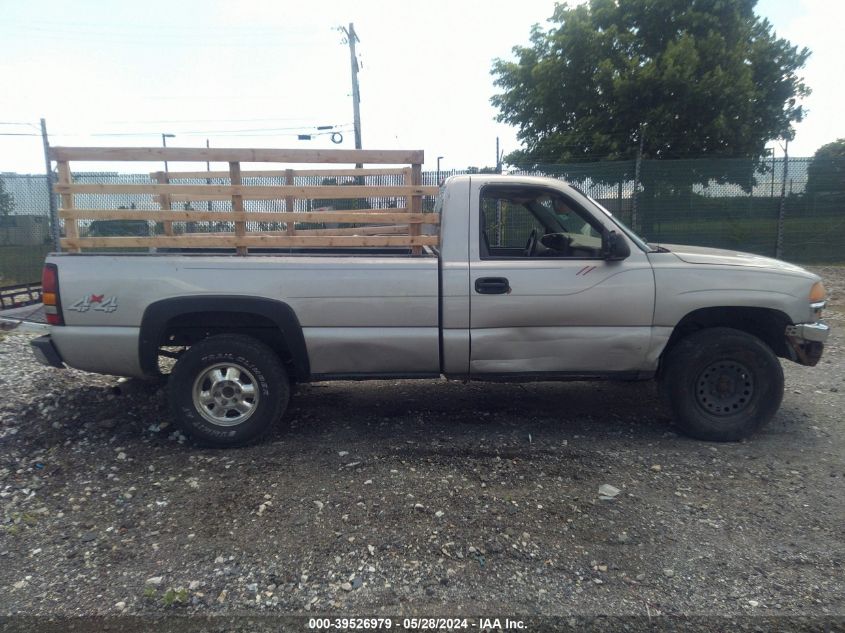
(383, 227)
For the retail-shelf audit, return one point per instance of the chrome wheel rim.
(724, 388)
(226, 394)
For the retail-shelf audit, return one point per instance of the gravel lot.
(420, 498)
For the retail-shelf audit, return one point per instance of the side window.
(574, 222)
(507, 224)
(522, 222)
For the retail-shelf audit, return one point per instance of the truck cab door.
(544, 299)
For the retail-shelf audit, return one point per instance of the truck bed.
(333, 297)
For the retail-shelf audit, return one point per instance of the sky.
(257, 73)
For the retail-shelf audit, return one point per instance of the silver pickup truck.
(533, 280)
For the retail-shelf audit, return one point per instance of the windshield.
(636, 238)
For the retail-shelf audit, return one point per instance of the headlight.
(818, 296)
(817, 292)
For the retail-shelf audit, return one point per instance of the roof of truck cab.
(513, 179)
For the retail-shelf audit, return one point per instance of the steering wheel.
(531, 245)
(558, 242)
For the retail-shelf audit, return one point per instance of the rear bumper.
(46, 353)
(806, 340)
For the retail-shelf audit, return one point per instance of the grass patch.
(172, 596)
(806, 239)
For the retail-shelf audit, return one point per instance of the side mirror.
(614, 247)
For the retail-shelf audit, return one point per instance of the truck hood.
(703, 255)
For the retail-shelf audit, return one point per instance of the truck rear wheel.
(723, 384)
(228, 390)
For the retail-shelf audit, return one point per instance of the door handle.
(492, 286)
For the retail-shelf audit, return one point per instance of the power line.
(179, 29)
(213, 120)
(310, 131)
(277, 129)
(143, 34)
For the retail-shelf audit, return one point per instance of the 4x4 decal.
(98, 303)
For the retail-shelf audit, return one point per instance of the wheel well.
(182, 321)
(189, 328)
(766, 324)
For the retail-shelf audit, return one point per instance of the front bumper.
(806, 340)
(45, 352)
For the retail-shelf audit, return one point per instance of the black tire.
(244, 386)
(722, 384)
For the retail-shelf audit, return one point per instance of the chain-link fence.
(727, 203)
(25, 228)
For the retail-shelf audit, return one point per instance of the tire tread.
(267, 363)
(692, 354)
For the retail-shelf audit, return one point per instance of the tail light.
(50, 295)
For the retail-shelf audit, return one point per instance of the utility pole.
(164, 138)
(772, 149)
(498, 158)
(54, 214)
(352, 39)
(207, 180)
(782, 209)
(637, 167)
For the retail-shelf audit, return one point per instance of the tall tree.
(697, 78)
(826, 172)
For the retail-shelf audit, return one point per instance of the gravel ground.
(403, 497)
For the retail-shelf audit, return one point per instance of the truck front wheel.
(723, 384)
(228, 390)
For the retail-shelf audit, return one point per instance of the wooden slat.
(280, 173)
(240, 155)
(224, 192)
(390, 229)
(377, 228)
(65, 178)
(415, 202)
(237, 203)
(364, 171)
(341, 217)
(164, 200)
(393, 229)
(268, 241)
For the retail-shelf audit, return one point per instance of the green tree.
(704, 78)
(482, 170)
(7, 202)
(826, 173)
